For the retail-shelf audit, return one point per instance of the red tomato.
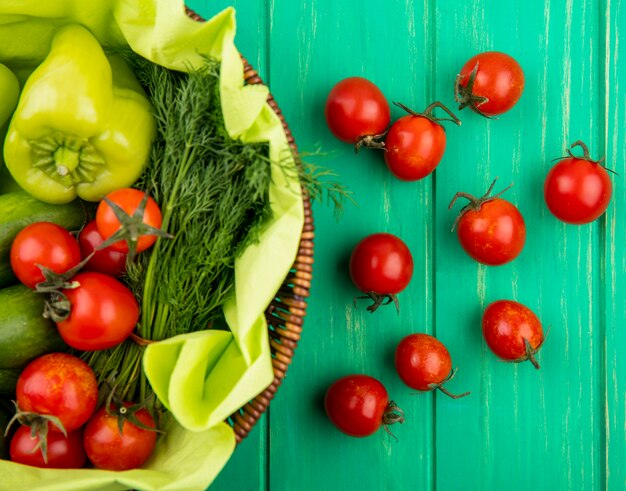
(61, 385)
(103, 313)
(424, 363)
(415, 143)
(109, 449)
(490, 83)
(62, 452)
(107, 260)
(358, 405)
(512, 331)
(128, 199)
(490, 229)
(45, 244)
(355, 110)
(578, 189)
(381, 266)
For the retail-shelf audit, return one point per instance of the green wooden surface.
(562, 427)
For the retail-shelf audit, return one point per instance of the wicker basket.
(285, 314)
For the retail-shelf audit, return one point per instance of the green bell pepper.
(9, 94)
(83, 125)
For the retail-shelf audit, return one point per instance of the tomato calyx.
(57, 306)
(39, 425)
(440, 386)
(392, 415)
(530, 353)
(371, 141)
(475, 203)
(379, 299)
(464, 94)
(125, 412)
(586, 156)
(132, 227)
(428, 113)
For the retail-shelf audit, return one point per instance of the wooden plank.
(521, 428)
(613, 238)
(246, 469)
(312, 46)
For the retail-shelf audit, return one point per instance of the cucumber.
(8, 380)
(5, 417)
(19, 209)
(24, 333)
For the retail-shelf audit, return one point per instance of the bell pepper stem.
(66, 160)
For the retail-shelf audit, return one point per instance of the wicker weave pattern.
(285, 315)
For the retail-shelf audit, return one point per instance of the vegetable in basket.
(9, 94)
(83, 126)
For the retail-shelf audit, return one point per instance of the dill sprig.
(213, 193)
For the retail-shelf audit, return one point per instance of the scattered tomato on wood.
(489, 83)
(424, 363)
(578, 190)
(415, 143)
(357, 112)
(490, 229)
(512, 331)
(359, 405)
(381, 266)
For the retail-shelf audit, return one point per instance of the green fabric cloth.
(205, 376)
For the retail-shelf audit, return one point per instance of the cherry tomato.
(61, 385)
(128, 199)
(381, 266)
(359, 404)
(512, 331)
(109, 449)
(489, 83)
(578, 189)
(107, 260)
(357, 110)
(62, 452)
(103, 312)
(46, 244)
(423, 363)
(490, 229)
(415, 143)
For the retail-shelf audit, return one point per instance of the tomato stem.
(464, 94)
(428, 113)
(379, 299)
(440, 386)
(132, 227)
(531, 352)
(475, 203)
(371, 141)
(392, 415)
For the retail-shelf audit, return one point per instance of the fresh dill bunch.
(214, 195)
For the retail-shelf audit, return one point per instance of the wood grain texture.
(562, 427)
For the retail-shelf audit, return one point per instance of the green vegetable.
(5, 417)
(9, 94)
(19, 209)
(24, 333)
(83, 126)
(213, 192)
(8, 380)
